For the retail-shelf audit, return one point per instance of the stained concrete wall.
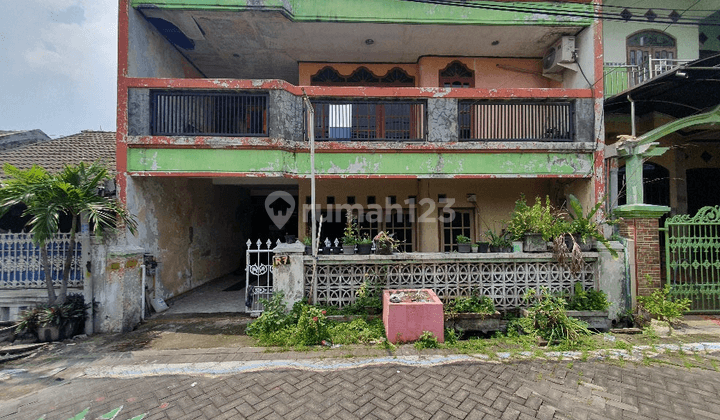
(192, 227)
(151, 55)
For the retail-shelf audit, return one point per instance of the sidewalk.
(240, 381)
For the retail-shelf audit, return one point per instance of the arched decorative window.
(653, 52)
(362, 76)
(457, 75)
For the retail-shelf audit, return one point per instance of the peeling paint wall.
(285, 116)
(151, 55)
(442, 120)
(193, 228)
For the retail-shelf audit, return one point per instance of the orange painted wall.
(490, 73)
(487, 73)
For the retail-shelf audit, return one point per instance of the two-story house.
(419, 107)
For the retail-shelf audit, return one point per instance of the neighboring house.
(417, 106)
(12, 139)
(22, 281)
(662, 88)
(670, 68)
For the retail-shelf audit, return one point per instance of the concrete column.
(640, 224)
(611, 278)
(119, 293)
(289, 272)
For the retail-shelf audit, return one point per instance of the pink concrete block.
(406, 321)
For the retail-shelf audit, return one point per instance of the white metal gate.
(258, 274)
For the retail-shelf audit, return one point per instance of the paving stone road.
(530, 389)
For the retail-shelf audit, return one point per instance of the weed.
(548, 319)
(427, 341)
(451, 337)
(569, 365)
(538, 377)
(659, 305)
(587, 300)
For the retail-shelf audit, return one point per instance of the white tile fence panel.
(21, 268)
(504, 282)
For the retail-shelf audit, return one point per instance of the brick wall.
(644, 231)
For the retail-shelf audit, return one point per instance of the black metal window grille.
(370, 120)
(190, 113)
(516, 121)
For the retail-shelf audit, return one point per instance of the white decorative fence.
(503, 278)
(21, 266)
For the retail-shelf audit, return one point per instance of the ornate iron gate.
(692, 258)
(258, 274)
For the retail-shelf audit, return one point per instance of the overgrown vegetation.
(472, 304)
(307, 325)
(660, 306)
(587, 300)
(547, 318)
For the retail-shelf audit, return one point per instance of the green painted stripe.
(278, 162)
(384, 11)
(81, 415)
(111, 415)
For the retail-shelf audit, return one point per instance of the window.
(646, 47)
(461, 224)
(397, 222)
(456, 75)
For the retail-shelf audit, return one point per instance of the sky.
(58, 64)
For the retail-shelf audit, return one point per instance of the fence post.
(289, 272)
(640, 224)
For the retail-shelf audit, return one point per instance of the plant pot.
(327, 250)
(348, 249)
(364, 249)
(597, 320)
(464, 248)
(48, 333)
(534, 242)
(337, 250)
(483, 247)
(494, 248)
(383, 250)
(585, 246)
(308, 250)
(474, 249)
(473, 322)
(517, 247)
(69, 329)
(507, 249)
(290, 239)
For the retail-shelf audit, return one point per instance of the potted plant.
(385, 244)
(499, 243)
(307, 241)
(463, 243)
(474, 248)
(483, 247)
(55, 322)
(364, 245)
(590, 306)
(350, 235)
(535, 225)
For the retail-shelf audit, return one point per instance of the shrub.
(661, 307)
(588, 300)
(472, 304)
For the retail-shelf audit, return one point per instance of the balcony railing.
(370, 120)
(179, 113)
(515, 121)
(619, 77)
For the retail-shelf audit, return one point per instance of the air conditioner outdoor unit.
(560, 56)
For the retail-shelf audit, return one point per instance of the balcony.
(618, 77)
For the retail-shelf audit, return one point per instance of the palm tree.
(72, 191)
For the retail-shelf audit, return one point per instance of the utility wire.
(557, 11)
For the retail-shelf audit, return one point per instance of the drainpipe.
(632, 116)
(311, 139)
(142, 304)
